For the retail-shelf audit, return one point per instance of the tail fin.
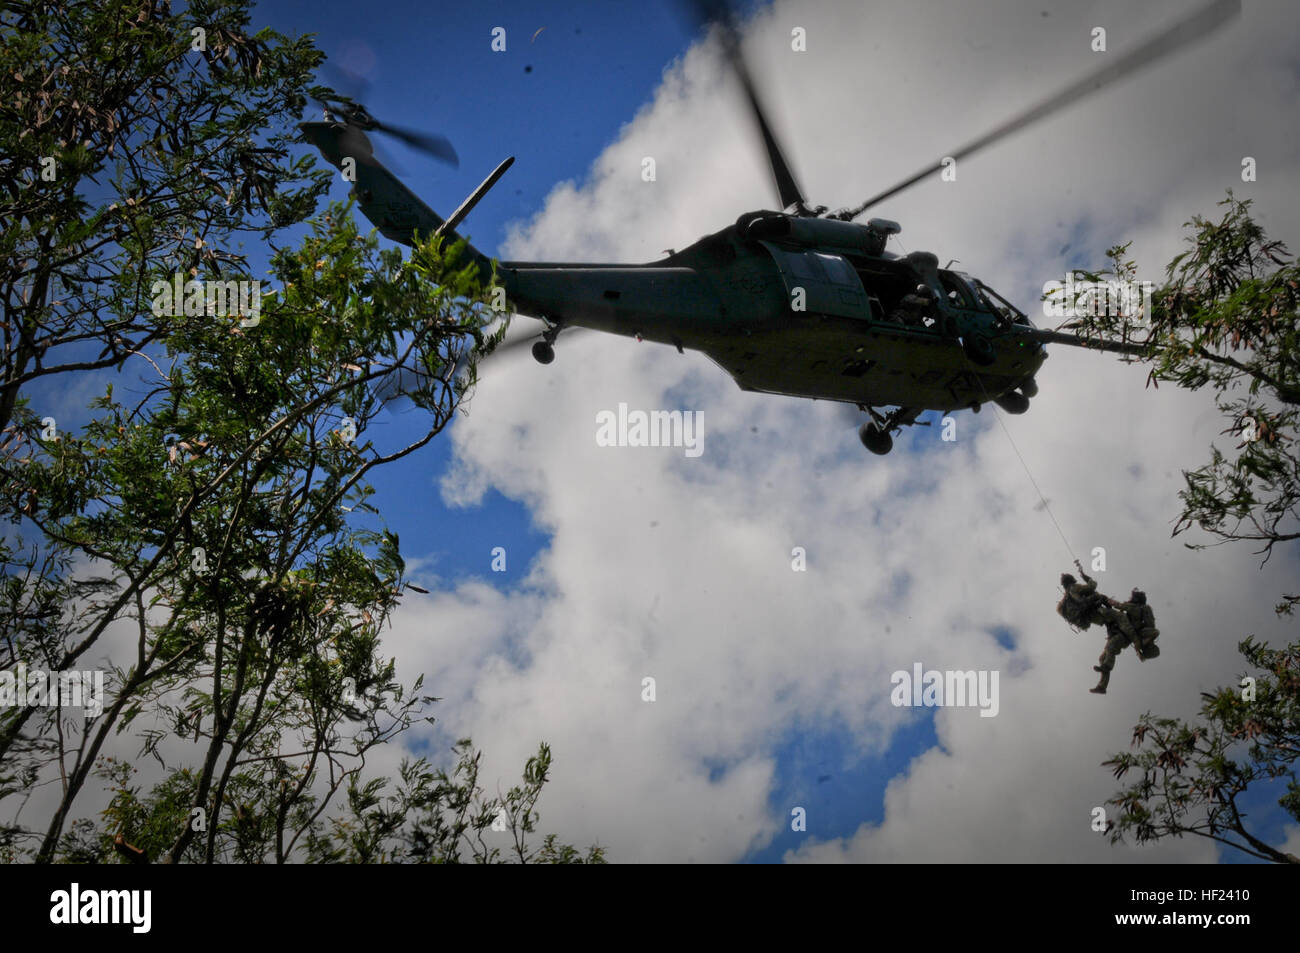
(394, 209)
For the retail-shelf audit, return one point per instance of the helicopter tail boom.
(654, 303)
(396, 211)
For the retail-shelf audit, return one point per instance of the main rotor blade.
(719, 12)
(1200, 24)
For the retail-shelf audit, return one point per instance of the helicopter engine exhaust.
(869, 239)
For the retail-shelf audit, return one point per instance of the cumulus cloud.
(678, 569)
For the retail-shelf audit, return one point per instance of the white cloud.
(679, 568)
(1292, 844)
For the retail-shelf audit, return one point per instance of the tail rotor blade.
(349, 85)
(344, 100)
(439, 147)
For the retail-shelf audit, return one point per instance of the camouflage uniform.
(1141, 632)
(1076, 605)
(1115, 642)
(914, 307)
(1143, 621)
(1084, 606)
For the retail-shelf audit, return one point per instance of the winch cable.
(1046, 506)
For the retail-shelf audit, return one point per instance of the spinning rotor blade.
(349, 93)
(512, 344)
(1200, 24)
(403, 381)
(719, 12)
(437, 146)
(397, 386)
(350, 85)
(345, 92)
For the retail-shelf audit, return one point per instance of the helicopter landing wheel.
(874, 439)
(543, 353)
(980, 350)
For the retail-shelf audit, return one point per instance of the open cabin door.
(830, 284)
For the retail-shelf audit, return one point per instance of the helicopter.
(798, 301)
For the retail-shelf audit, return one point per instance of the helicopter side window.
(838, 270)
(806, 267)
(826, 284)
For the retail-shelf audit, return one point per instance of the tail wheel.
(543, 353)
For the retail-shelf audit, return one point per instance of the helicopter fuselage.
(806, 320)
(785, 304)
(798, 302)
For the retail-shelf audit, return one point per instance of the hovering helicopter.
(799, 301)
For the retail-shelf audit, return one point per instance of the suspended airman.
(1083, 606)
(1116, 639)
(1143, 620)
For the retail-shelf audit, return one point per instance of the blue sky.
(553, 99)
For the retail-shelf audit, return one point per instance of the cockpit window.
(1000, 305)
(985, 303)
(956, 292)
